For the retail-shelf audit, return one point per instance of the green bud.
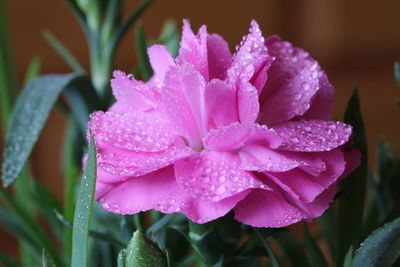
(141, 252)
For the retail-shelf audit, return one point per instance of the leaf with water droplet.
(381, 248)
(141, 252)
(27, 120)
(83, 211)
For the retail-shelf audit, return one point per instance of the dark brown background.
(355, 41)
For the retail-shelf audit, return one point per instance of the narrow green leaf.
(266, 246)
(141, 252)
(14, 226)
(71, 172)
(141, 52)
(397, 73)
(63, 52)
(27, 120)
(30, 226)
(349, 258)
(170, 37)
(46, 261)
(83, 209)
(33, 70)
(381, 248)
(132, 18)
(7, 79)
(317, 258)
(351, 202)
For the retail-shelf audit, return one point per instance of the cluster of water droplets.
(313, 135)
(215, 179)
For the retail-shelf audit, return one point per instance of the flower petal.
(248, 105)
(218, 55)
(138, 193)
(251, 55)
(221, 104)
(322, 103)
(256, 157)
(130, 144)
(293, 80)
(214, 176)
(234, 136)
(263, 208)
(193, 49)
(312, 135)
(183, 102)
(160, 59)
(306, 187)
(131, 95)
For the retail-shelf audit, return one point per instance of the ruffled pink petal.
(193, 49)
(160, 59)
(322, 103)
(196, 209)
(219, 56)
(160, 191)
(183, 102)
(306, 187)
(313, 135)
(214, 176)
(221, 104)
(131, 95)
(256, 157)
(234, 136)
(228, 138)
(263, 208)
(130, 144)
(319, 205)
(293, 81)
(248, 105)
(251, 55)
(138, 193)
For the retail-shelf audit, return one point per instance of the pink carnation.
(211, 132)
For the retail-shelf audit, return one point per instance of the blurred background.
(354, 41)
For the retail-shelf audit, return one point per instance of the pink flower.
(212, 132)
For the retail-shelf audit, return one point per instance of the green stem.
(70, 182)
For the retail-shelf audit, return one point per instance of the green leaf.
(63, 52)
(141, 252)
(397, 73)
(46, 261)
(14, 226)
(83, 209)
(381, 248)
(266, 246)
(33, 70)
(351, 202)
(349, 258)
(141, 52)
(170, 37)
(27, 120)
(7, 79)
(317, 258)
(132, 18)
